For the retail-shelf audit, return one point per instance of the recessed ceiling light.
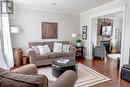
(53, 3)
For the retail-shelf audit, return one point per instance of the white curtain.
(7, 48)
(2, 60)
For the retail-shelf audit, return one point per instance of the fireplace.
(106, 44)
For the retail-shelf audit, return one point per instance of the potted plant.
(78, 42)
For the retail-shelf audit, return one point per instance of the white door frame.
(123, 28)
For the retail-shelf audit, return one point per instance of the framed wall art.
(49, 30)
(84, 32)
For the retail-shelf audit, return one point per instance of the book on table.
(64, 61)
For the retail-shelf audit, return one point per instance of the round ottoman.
(60, 67)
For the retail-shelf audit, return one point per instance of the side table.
(79, 51)
(25, 60)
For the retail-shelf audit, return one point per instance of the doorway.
(109, 34)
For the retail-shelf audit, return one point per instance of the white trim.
(87, 57)
(111, 17)
(123, 28)
(123, 32)
(108, 12)
(102, 6)
(45, 10)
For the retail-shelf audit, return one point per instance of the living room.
(59, 25)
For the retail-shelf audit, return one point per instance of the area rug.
(86, 76)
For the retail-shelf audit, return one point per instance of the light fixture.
(15, 30)
(53, 3)
(74, 35)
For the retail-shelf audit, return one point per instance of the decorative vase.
(17, 56)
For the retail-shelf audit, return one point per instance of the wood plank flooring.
(109, 69)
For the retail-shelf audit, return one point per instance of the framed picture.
(117, 30)
(49, 30)
(9, 9)
(117, 36)
(84, 35)
(84, 32)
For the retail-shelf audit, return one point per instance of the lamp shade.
(74, 35)
(15, 30)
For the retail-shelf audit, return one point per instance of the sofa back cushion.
(50, 44)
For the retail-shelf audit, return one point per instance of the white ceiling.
(65, 6)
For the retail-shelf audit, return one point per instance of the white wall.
(29, 21)
(94, 31)
(85, 20)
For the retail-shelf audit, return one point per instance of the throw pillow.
(44, 49)
(66, 48)
(57, 47)
(35, 48)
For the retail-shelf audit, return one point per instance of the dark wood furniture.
(79, 51)
(58, 67)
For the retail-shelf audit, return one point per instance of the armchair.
(100, 51)
(27, 76)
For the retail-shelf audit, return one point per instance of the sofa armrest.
(67, 79)
(32, 55)
(10, 79)
(29, 69)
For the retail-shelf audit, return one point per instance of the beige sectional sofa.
(46, 59)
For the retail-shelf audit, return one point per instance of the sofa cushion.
(54, 54)
(42, 56)
(65, 54)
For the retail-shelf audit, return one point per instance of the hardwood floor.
(108, 69)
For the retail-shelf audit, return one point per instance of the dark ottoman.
(125, 72)
(58, 68)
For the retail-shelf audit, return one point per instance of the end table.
(79, 51)
(25, 60)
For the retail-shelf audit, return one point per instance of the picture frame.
(9, 7)
(84, 36)
(116, 30)
(49, 30)
(117, 36)
(84, 32)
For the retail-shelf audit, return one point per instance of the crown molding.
(46, 10)
(101, 6)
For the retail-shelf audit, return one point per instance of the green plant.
(78, 41)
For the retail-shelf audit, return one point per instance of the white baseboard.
(87, 57)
